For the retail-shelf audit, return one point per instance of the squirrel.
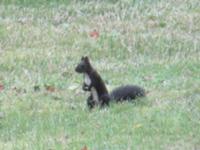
(93, 83)
(96, 86)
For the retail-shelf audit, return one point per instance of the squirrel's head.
(84, 66)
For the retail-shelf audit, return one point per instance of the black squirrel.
(93, 83)
(99, 93)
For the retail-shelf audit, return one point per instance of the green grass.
(151, 43)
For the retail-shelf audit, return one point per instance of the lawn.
(151, 43)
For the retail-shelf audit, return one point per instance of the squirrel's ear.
(82, 58)
(86, 59)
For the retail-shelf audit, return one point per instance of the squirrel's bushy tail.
(128, 92)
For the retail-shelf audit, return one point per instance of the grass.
(154, 44)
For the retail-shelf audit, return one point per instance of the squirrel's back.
(127, 92)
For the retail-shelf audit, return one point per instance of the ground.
(151, 43)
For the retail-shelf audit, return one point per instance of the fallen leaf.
(50, 88)
(84, 148)
(1, 87)
(94, 34)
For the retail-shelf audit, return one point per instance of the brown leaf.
(50, 88)
(1, 87)
(94, 34)
(84, 148)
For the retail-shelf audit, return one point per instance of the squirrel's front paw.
(85, 88)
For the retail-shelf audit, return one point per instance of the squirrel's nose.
(76, 69)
